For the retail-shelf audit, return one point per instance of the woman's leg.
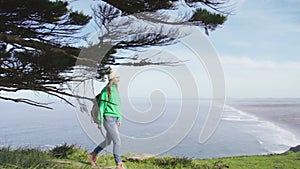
(112, 129)
(103, 144)
(92, 156)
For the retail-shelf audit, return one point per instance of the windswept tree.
(136, 24)
(38, 37)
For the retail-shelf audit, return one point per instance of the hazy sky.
(259, 49)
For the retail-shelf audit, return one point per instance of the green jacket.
(112, 107)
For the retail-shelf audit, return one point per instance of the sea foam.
(270, 136)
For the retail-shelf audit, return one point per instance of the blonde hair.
(109, 84)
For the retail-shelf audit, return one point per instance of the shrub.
(62, 151)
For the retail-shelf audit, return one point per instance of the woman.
(110, 117)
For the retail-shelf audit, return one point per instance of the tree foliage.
(138, 24)
(35, 46)
(201, 15)
(38, 37)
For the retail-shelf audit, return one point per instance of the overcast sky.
(259, 48)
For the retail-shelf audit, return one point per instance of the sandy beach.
(282, 112)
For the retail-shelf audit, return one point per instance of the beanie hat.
(113, 74)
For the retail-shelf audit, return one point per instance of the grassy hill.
(69, 156)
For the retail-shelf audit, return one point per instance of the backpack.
(95, 108)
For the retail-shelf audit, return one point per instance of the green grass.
(70, 157)
(24, 158)
(289, 160)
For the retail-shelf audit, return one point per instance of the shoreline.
(276, 114)
(288, 126)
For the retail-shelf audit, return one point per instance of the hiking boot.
(92, 158)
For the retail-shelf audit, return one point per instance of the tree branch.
(28, 101)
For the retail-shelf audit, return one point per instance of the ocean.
(246, 127)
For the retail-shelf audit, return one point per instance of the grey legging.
(112, 134)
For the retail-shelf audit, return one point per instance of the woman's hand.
(119, 124)
(100, 126)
